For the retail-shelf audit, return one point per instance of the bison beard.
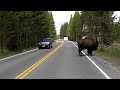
(88, 43)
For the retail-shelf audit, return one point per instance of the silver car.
(45, 43)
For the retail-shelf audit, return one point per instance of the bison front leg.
(79, 50)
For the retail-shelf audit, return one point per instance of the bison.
(88, 43)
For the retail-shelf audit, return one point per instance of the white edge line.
(17, 54)
(95, 64)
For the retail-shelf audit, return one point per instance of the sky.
(60, 17)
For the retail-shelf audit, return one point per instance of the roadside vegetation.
(22, 30)
(8, 53)
(98, 24)
(111, 54)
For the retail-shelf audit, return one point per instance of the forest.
(99, 24)
(20, 30)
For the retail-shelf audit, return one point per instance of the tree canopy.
(99, 24)
(23, 29)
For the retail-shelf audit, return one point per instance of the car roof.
(46, 38)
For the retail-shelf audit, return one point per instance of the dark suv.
(45, 43)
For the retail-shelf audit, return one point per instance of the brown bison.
(88, 43)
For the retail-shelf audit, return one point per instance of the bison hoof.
(89, 54)
(80, 54)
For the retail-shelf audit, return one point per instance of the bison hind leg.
(89, 52)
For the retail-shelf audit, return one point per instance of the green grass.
(8, 53)
(110, 54)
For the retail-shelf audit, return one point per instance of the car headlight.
(47, 43)
(39, 43)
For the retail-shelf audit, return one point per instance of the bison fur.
(88, 43)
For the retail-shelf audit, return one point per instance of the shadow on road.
(86, 54)
(81, 55)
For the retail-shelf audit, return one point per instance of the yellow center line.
(30, 69)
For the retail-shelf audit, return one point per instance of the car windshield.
(45, 40)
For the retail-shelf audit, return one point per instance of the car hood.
(45, 42)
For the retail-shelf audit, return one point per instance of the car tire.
(49, 46)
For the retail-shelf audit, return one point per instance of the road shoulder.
(111, 69)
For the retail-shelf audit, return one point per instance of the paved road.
(62, 62)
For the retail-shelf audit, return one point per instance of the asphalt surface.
(12, 67)
(65, 63)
